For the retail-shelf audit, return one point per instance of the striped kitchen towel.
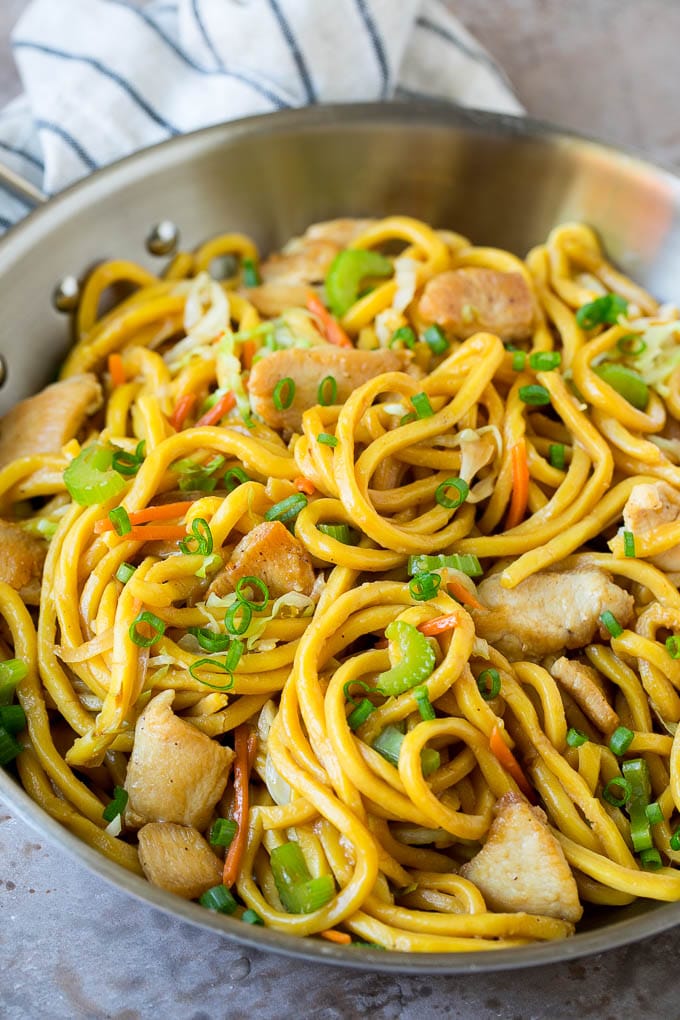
(103, 78)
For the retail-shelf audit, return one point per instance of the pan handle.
(20, 187)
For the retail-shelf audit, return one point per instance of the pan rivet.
(66, 294)
(163, 238)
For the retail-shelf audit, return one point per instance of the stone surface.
(76, 949)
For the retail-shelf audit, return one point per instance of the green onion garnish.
(631, 346)
(675, 840)
(209, 641)
(233, 478)
(251, 917)
(436, 340)
(234, 653)
(609, 621)
(557, 455)
(424, 586)
(489, 684)
(251, 277)
(222, 831)
(467, 563)
(388, 744)
(120, 519)
(605, 309)
(287, 510)
(628, 543)
(404, 335)
(636, 774)
(258, 584)
(406, 419)
(298, 891)
(651, 858)
(424, 704)
(246, 615)
(12, 672)
(545, 361)
(360, 714)
(326, 439)
(627, 383)
(347, 690)
(612, 797)
(117, 805)
(575, 738)
(462, 488)
(654, 813)
(219, 899)
(12, 718)
(157, 627)
(201, 535)
(340, 532)
(217, 667)
(673, 646)
(422, 405)
(620, 740)
(534, 395)
(519, 360)
(129, 463)
(284, 393)
(9, 747)
(125, 572)
(327, 392)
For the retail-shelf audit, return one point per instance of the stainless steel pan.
(501, 180)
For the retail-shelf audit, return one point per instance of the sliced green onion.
(462, 488)
(222, 831)
(631, 346)
(519, 360)
(360, 714)
(489, 684)
(117, 805)
(636, 774)
(12, 718)
(612, 797)
(12, 672)
(251, 277)
(422, 405)
(9, 747)
(209, 640)
(545, 361)
(654, 813)
(423, 702)
(340, 532)
(467, 563)
(674, 841)
(201, 535)
(406, 419)
(628, 543)
(298, 891)
(388, 744)
(436, 340)
(620, 740)
(246, 615)
(125, 572)
(575, 738)
(627, 383)
(673, 646)
(233, 478)
(651, 858)
(347, 689)
(609, 621)
(129, 463)
(326, 439)
(197, 476)
(417, 660)
(327, 391)
(424, 586)
(535, 395)
(90, 478)
(404, 335)
(219, 899)
(234, 653)
(157, 626)
(217, 667)
(120, 519)
(557, 455)
(258, 584)
(288, 509)
(284, 393)
(347, 271)
(251, 917)
(605, 309)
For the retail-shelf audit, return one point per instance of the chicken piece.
(273, 299)
(307, 259)
(349, 367)
(177, 858)
(648, 506)
(271, 553)
(45, 422)
(582, 682)
(175, 772)
(467, 301)
(548, 612)
(21, 560)
(522, 867)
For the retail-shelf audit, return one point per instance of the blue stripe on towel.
(57, 129)
(206, 38)
(377, 43)
(15, 151)
(295, 51)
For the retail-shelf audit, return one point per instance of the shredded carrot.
(303, 484)
(221, 407)
(183, 409)
(332, 329)
(247, 354)
(461, 594)
(244, 746)
(510, 763)
(439, 625)
(163, 512)
(333, 935)
(157, 533)
(520, 485)
(117, 370)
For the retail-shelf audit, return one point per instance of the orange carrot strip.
(520, 485)
(303, 484)
(163, 512)
(221, 407)
(248, 353)
(183, 409)
(332, 329)
(116, 369)
(439, 625)
(244, 739)
(510, 763)
(332, 935)
(461, 594)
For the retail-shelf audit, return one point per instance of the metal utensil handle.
(20, 187)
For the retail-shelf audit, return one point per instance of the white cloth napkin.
(105, 77)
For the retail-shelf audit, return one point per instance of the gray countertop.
(75, 948)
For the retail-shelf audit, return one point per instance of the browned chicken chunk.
(548, 612)
(307, 259)
(582, 682)
(271, 553)
(175, 772)
(42, 424)
(351, 368)
(522, 867)
(470, 300)
(177, 858)
(649, 505)
(21, 559)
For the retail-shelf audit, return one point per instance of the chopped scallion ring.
(340, 532)
(125, 572)
(654, 813)
(12, 672)
(673, 646)
(406, 419)
(151, 620)
(360, 714)
(575, 738)
(347, 689)
(605, 309)
(326, 439)
(129, 463)
(489, 684)
(534, 395)
(404, 335)
(609, 621)
(222, 832)
(216, 667)
(245, 616)
(201, 535)
(12, 718)
(233, 478)
(632, 345)
(327, 392)
(545, 361)
(461, 487)
(467, 563)
(209, 640)
(287, 510)
(117, 805)
(422, 405)
(9, 747)
(651, 859)
(519, 360)
(674, 841)
(610, 791)
(423, 702)
(628, 544)
(557, 455)
(219, 899)
(424, 586)
(258, 584)
(251, 917)
(284, 393)
(435, 339)
(120, 519)
(620, 740)
(251, 277)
